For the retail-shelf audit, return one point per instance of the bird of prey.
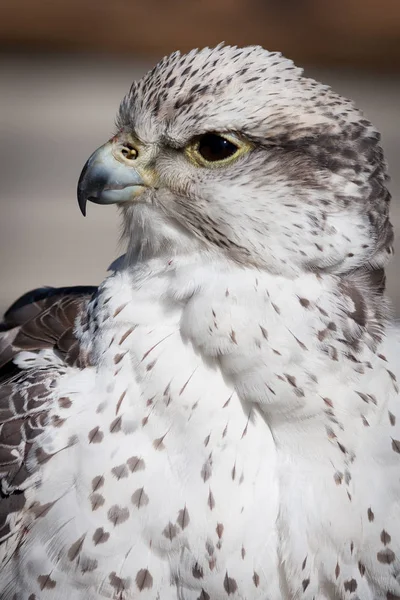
(219, 419)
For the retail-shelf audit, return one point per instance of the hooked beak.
(109, 176)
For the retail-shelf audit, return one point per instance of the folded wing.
(43, 319)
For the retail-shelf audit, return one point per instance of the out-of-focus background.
(65, 65)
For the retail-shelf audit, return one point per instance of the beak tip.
(82, 192)
(82, 201)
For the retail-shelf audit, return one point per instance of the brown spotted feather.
(42, 319)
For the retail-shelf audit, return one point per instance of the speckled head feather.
(310, 195)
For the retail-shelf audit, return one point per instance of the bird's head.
(233, 152)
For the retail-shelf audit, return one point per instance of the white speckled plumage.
(229, 425)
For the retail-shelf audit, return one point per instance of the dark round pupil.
(213, 147)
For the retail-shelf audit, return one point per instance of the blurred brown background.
(65, 65)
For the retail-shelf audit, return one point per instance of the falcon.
(219, 419)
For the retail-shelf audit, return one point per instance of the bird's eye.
(214, 148)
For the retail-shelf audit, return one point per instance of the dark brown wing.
(43, 318)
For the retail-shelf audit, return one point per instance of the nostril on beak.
(129, 152)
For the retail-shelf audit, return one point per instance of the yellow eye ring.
(216, 149)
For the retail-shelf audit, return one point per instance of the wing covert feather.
(41, 319)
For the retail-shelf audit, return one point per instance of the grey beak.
(107, 180)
